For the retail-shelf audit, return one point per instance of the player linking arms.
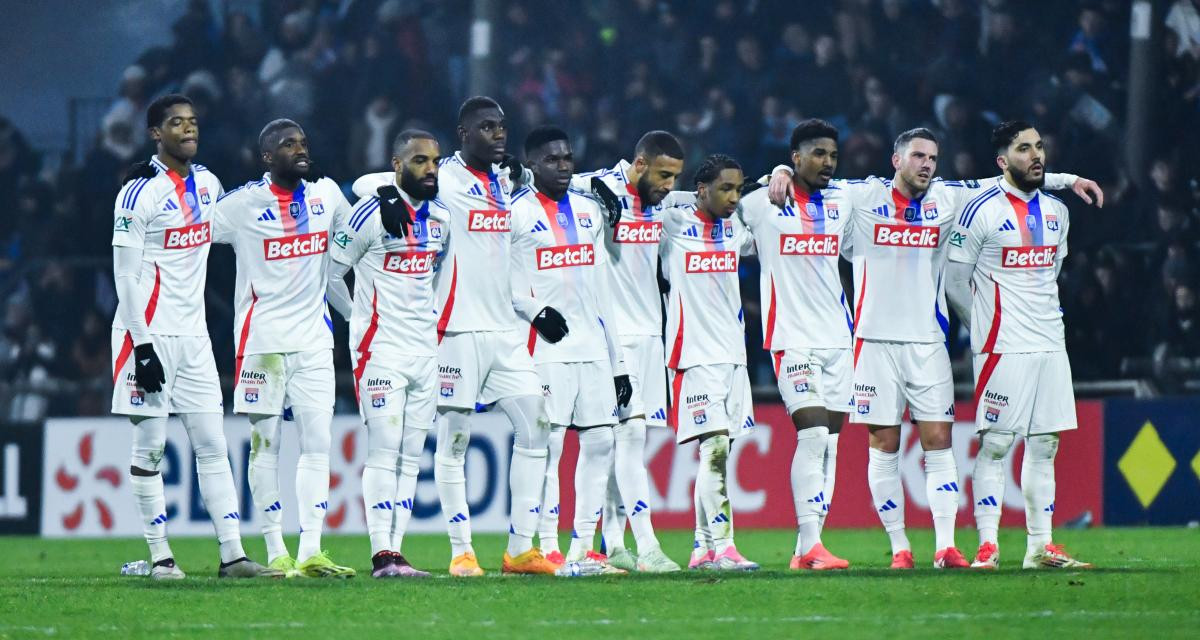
(710, 391)
(392, 241)
(163, 361)
(1005, 255)
(279, 228)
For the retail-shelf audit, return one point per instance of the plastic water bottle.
(577, 569)
(136, 568)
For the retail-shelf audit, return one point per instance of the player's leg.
(829, 468)
(999, 417)
(988, 485)
(459, 384)
(379, 486)
(929, 392)
(591, 481)
(145, 478)
(548, 519)
(420, 410)
(728, 388)
(837, 389)
(259, 391)
(878, 403)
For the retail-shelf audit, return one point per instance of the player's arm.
(971, 231)
(129, 237)
(368, 185)
(224, 209)
(348, 247)
(1061, 253)
(616, 356)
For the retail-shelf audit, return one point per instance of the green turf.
(1148, 583)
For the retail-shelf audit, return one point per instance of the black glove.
(139, 169)
(551, 324)
(314, 172)
(612, 204)
(515, 170)
(624, 390)
(750, 186)
(393, 211)
(147, 368)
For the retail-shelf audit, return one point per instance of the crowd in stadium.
(726, 76)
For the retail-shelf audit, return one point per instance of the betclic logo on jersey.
(570, 255)
(1028, 257)
(188, 237)
(409, 262)
(710, 262)
(808, 244)
(488, 221)
(305, 244)
(900, 235)
(637, 232)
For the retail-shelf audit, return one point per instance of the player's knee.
(410, 465)
(886, 439)
(384, 459)
(994, 445)
(1041, 447)
(136, 470)
(934, 436)
(808, 417)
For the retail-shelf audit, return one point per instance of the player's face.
(721, 196)
(290, 155)
(179, 132)
(916, 163)
(1024, 160)
(657, 177)
(815, 161)
(484, 135)
(552, 165)
(417, 168)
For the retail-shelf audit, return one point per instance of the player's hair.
(473, 104)
(267, 135)
(712, 166)
(541, 135)
(658, 143)
(812, 129)
(1006, 132)
(903, 139)
(408, 135)
(157, 111)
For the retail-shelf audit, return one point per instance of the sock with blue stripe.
(591, 482)
(379, 488)
(987, 483)
(263, 477)
(207, 435)
(942, 491)
(887, 494)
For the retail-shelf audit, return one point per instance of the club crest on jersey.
(864, 407)
(910, 214)
(715, 234)
(204, 197)
(1051, 222)
(801, 387)
(316, 207)
(810, 208)
(378, 400)
(137, 398)
(190, 199)
(435, 231)
(584, 220)
(1031, 221)
(831, 211)
(992, 415)
(447, 390)
(294, 209)
(251, 395)
(929, 210)
(561, 218)
(699, 417)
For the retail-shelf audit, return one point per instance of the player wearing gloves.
(162, 356)
(558, 261)
(392, 241)
(279, 228)
(1005, 255)
(706, 361)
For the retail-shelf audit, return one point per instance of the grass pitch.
(1148, 582)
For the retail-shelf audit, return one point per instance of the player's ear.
(397, 164)
(795, 157)
(155, 134)
(895, 161)
(1002, 162)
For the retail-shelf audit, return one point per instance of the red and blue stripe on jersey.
(292, 224)
(1029, 219)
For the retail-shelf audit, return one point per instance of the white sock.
(830, 471)
(712, 488)
(941, 489)
(591, 481)
(206, 432)
(379, 490)
(312, 477)
(263, 476)
(987, 483)
(548, 519)
(703, 537)
(1037, 483)
(411, 450)
(149, 441)
(612, 515)
(527, 472)
(633, 482)
(449, 475)
(808, 486)
(883, 477)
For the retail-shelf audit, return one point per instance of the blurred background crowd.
(725, 76)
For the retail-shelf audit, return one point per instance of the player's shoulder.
(1054, 200)
(757, 200)
(584, 199)
(944, 183)
(982, 202)
(363, 210)
(439, 208)
(245, 192)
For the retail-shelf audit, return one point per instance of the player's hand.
(1088, 189)
(779, 189)
(750, 186)
(612, 204)
(393, 211)
(139, 169)
(515, 170)
(147, 368)
(551, 324)
(624, 390)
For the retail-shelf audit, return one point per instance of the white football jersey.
(701, 256)
(558, 262)
(798, 245)
(170, 219)
(395, 311)
(281, 239)
(1015, 240)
